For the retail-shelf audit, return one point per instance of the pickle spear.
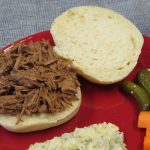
(143, 79)
(141, 96)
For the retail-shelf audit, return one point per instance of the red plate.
(99, 104)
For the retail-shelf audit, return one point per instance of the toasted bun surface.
(40, 121)
(104, 46)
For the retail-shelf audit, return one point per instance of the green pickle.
(143, 79)
(138, 93)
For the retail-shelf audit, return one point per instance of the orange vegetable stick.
(146, 143)
(148, 132)
(144, 119)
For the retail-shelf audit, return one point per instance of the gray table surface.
(20, 18)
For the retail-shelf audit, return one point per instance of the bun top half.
(103, 46)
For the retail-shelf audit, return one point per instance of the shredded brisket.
(33, 79)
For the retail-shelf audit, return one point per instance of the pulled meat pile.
(34, 79)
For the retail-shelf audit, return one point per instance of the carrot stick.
(144, 119)
(148, 132)
(146, 143)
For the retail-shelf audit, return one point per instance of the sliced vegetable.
(146, 143)
(148, 132)
(138, 93)
(144, 119)
(143, 79)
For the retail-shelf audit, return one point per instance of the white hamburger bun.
(104, 46)
(40, 121)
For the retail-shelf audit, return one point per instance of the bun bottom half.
(40, 121)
